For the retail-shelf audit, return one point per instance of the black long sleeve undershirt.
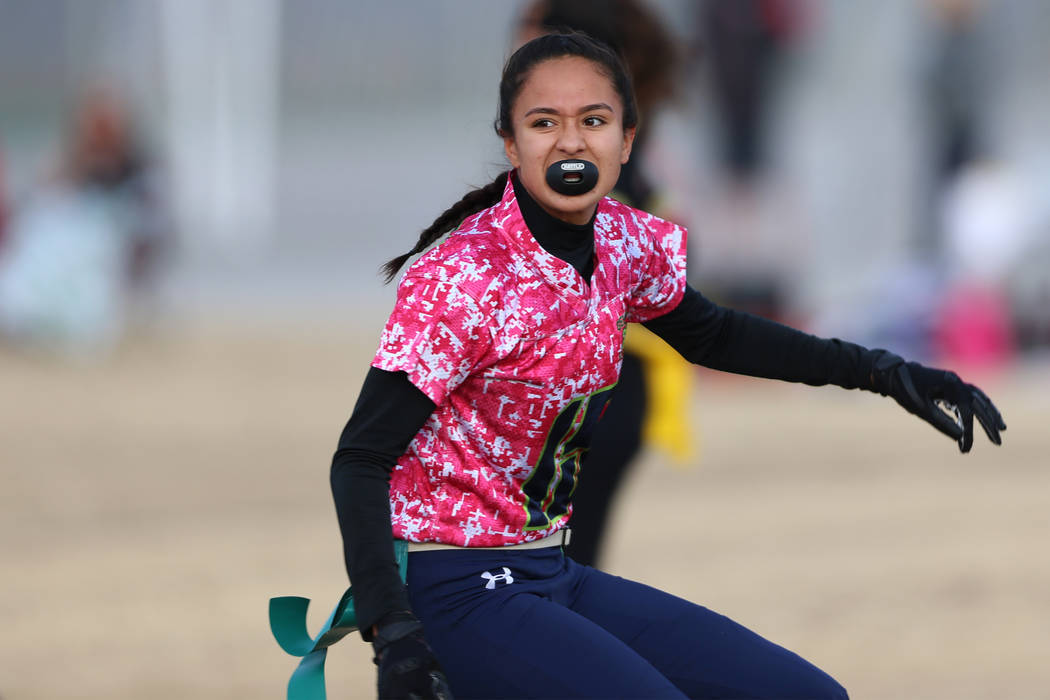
(734, 341)
(390, 410)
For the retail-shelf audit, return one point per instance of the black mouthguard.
(572, 177)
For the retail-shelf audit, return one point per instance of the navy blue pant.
(535, 624)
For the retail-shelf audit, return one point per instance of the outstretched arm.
(733, 341)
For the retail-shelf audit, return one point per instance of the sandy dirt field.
(152, 503)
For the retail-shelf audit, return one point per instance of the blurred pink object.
(973, 328)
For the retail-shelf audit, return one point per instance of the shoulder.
(619, 220)
(474, 258)
(616, 212)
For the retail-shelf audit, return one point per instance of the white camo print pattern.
(501, 335)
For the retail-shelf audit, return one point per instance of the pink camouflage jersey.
(519, 354)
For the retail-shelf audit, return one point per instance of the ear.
(511, 149)
(628, 143)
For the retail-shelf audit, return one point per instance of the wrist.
(883, 365)
(394, 626)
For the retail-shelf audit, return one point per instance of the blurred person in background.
(972, 232)
(86, 242)
(476, 415)
(650, 404)
(739, 48)
(954, 90)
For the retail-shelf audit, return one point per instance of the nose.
(570, 139)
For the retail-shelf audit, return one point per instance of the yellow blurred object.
(669, 380)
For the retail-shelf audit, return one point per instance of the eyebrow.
(551, 110)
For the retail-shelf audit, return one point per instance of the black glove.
(408, 669)
(931, 393)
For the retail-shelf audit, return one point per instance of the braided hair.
(515, 72)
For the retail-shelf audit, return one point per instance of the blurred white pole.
(221, 61)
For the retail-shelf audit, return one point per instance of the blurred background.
(195, 198)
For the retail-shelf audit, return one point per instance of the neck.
(573, 243)
(536, 213)
(580, 218)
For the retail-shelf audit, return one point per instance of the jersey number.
(550, 486)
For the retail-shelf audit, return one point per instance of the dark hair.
(629, 27)
(515, 72)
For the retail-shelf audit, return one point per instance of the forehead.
(566, 84)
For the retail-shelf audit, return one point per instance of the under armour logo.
(492, 578)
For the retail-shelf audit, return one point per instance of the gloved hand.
(408, 669)
(930, 393)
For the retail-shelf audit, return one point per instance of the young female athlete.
(473, 423)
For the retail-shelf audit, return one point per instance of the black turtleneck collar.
(573, 243)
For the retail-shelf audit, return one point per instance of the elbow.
(350, 464)
(340, 471)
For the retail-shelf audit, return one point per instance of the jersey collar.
(552, 269)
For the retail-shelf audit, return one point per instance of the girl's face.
(567, 108)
